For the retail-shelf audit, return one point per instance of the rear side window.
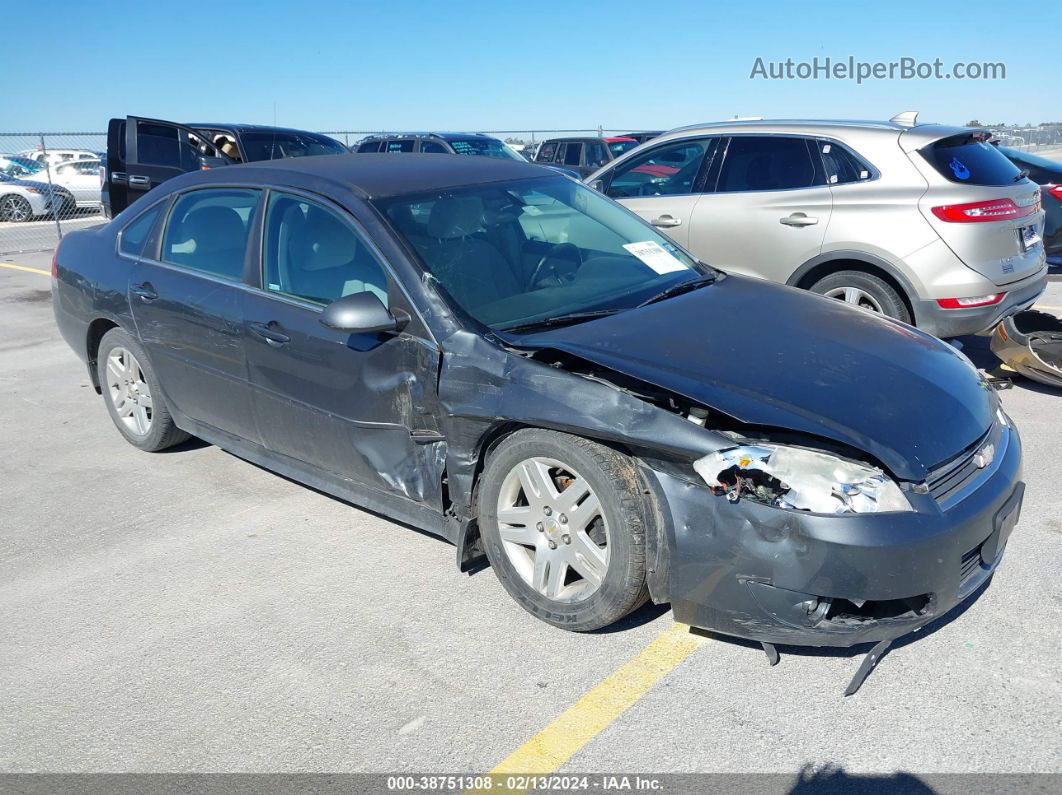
(766, 163)
(572, 154)
(207, 231)
(841, 165)
(161, 145)
(967, 159)
(399, 146)
(432, 147)
(136, 231)
(546, 152)
(371, 146)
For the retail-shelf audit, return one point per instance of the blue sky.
(447, 64)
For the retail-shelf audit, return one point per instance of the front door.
(185, 300)
(353, 405)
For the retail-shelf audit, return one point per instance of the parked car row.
(502, 356)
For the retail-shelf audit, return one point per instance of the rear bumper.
(789, 577)
(946, 323)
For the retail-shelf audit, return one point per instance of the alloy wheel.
(128, 391)
(856, 296)
(553, 530)
(14, 208)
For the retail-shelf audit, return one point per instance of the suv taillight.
(1057, 192)
(970, 303)
(980, 212)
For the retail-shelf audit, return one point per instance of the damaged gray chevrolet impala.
(498, 355)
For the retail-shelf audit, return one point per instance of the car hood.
(43, 187)
(774, 356)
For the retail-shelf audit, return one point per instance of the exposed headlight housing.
(800, 479)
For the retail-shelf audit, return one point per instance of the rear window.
(968, 160)
(269, 145)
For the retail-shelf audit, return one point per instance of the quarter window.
(207, 231)
(841, 165)
(668, 170)
(766, 163)
(136, 231)
(313, 254)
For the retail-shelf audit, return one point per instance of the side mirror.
(362, 313)
(598, 185)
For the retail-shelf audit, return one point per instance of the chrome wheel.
(129, 391)
(15, 208)
(553, 530)
(856, 296)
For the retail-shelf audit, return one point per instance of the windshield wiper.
(678, 289)
(562, 320)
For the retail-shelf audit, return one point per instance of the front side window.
(272, 145)
(136, 232)
(313, 254)
(617, 148)
(546, 152)
(207, 231)
(766, 163)
(432, 148)
(515, 254)
(667, 170)
(596, 154)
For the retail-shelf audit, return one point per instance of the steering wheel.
(551, 254)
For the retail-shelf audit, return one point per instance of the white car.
(59, 155)
(80, 177)
(22, 200)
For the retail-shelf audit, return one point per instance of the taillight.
(1057, 192)
(55, 263)
(980, 212)
(970, 303)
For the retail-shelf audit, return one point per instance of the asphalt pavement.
(188, 611)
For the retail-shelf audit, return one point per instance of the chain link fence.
(50, 182)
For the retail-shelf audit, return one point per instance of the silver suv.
(925, 223)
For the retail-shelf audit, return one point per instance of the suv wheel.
(562, 522)
(865, 291)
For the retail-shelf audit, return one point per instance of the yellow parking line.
(606, 701)
(26, 268)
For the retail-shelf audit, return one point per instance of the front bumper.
(789, 577)
(947, 323)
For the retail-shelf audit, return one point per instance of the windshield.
(488, 147)
(264, 145)
(617, 148)
(19, 166)
(513, 254)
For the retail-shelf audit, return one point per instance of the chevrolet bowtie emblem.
(984, 456)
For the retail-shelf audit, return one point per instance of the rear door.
(185, 298)
(979, 203)
(153, 151)
(663, 184)
(769, 210)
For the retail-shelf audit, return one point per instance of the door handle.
(268, 332)
(666, 221)
(144, 291)
(137, 181)
(119, 177)
(799, 219)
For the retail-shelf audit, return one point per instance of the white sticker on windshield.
(655, 256)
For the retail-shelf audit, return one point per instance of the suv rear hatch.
(980, 203)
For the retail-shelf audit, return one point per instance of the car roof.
(381, 175)
(913, 133)
(446, 136)
(250, 128)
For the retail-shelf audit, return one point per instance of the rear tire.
(562, 522)
(132, 394)
(865, 291)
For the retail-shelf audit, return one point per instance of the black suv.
(439, 143)
(585, 155)
(141, 153)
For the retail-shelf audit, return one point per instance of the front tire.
(131, 392)
(562, 522)
(865, 291)
(15, 208)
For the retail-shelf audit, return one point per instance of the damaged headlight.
(799, 479)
